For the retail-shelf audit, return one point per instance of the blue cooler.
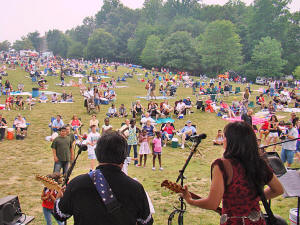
(35, 92)
(33, 79)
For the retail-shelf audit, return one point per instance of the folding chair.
(50, 124)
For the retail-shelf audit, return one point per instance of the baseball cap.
(188, 121)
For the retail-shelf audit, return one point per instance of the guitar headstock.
(48, 182)
(172, 186)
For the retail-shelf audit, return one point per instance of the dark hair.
(242, 146)
(274, 116)
(111, 148)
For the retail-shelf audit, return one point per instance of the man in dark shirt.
(3, 125)
(82, 201)
(246, 117)
(62, 151)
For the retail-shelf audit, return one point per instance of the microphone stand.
(70, 170)
(278, 143)
(181, 177)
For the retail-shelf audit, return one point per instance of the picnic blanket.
(164, 120)
(290, 110)
(157, 97)
(255, 120)
(20, 93)
(50, 92)
(121, 86)
(78, 75)
(2, 106)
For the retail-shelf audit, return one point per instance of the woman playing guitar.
(236, 178)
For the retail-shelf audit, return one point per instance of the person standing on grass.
(289, 148)
(156, 150)
(144, 147)
(152, 89)
(63, 152)
(132, 139)
(92, 139)
(48, 197)
(3, 125)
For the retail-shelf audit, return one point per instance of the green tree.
(178, 51)
(191, 25)
(75, 50)
(35, 39)
(101, 44)
(266, 59)
(58, 42)
(151, 10)
(23, 44)
(4, 45)
(296, 73)
(150, 55)
(220, 47)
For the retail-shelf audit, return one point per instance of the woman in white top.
(106, 127)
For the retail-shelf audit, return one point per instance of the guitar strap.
(108, 198)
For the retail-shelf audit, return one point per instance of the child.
(156, 149)
(219, 139)
(92, 139)
(48, 197)
(106, 127)
(144, 147)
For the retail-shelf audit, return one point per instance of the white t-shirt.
(92, 138)
(292, 145)
(105, 128)
(180, 106)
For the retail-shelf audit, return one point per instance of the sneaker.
(153, 168)
(161, 169)
(164, 145)
(182, 146)
(137, 165)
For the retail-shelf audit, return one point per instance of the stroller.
(91, 109)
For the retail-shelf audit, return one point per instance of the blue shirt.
(57, 124)
(187, 128)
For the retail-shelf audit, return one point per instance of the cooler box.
(10, 134)
(33, 79)
(35, 92)
(174, 143)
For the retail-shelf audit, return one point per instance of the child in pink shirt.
(156, 149)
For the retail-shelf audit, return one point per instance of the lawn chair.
(237, 90)
(161, 129)
(190, 141)
(50, 124)
(251, 104)
(208, 92)
(27, 126)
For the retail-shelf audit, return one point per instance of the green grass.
(20, 160)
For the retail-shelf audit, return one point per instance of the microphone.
(198, 137)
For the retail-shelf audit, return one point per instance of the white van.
(260, 80)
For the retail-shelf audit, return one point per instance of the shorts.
(298, 146)
(157, 153)
(273, 134)
(91, 155)
(287, 156)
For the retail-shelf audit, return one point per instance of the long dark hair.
(242, 146)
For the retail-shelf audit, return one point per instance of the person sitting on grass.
(122, 111)
(54, 98)
(166, 108)
(146, 118)
(180, 108)
(43, 98)
(226, 109)
(19, 103)
(186, 132)
(57, 123)
(168, 132)
(188, 105)
(219, 138)
(9, 102)
(75, 124)
(112, 111)
(137, 109)
(21, 127)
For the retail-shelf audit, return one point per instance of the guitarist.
(236, 178)
(83, 201)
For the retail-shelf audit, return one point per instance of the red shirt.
(75, 123)
(169, 129)
(49, 204)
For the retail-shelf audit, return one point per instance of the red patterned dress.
(239, 198)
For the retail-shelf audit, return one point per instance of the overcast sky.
(19, 17)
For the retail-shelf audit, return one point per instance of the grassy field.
(20, 160)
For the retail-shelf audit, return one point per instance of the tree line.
(262, 39)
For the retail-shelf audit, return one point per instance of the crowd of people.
(141, 131)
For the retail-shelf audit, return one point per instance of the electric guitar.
(48, 182)
(178, 189)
